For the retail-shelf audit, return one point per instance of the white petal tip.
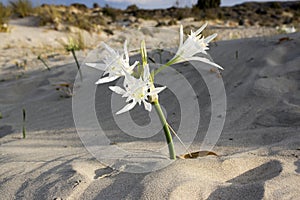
(126, 108)
(90, 64)
(107, 79)
(118, 113)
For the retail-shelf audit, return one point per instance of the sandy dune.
(258, 150)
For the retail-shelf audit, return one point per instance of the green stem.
(171, 62)
(77, 63)
(166, 130)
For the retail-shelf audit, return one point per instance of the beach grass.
(5, 13)
(21, 8)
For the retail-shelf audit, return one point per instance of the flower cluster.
(193, 45)
(139, 88)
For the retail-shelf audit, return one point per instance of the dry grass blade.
(44, 62)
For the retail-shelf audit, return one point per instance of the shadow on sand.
(249, 185)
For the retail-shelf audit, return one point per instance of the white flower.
(137, 90)
(115, 64)
(193, 45)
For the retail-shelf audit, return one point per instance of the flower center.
(139, 93)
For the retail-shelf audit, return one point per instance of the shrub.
(5, 13)
(111, 12)
(275, 5)
(21, 8)
(295, 6)
(96, 5)
(211, 14)
(83, 22)
(204, 4)
(132, 8)
(79, 6)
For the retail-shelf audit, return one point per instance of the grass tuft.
(21, 8)
(5, 13)
(48, 15)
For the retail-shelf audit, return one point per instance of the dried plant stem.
(42, 60)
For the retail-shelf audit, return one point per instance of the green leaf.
(24, 120)
(24, 115)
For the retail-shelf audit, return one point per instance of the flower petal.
(130, 69)
(128, 98)
(201, 29)
(108, 48)
(210, 38)
(117, 90)
(147, 105)
(126, 108)
(128, 79)
(205, 60)
(157, 90)
(99, 66)
(107, 79)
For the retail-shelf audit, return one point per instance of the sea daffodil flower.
(115, 64)
(137, 90)
(193, 45)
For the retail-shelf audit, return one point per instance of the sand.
(258, 150)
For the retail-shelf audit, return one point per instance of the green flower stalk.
(166, 130)
(154, 100)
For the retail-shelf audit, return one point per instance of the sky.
(147, 4)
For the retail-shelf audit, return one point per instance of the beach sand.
(258, 151)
